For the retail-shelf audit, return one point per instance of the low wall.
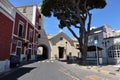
(4, 66)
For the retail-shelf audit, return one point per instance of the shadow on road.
(17, 73)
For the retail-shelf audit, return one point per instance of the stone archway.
(42, 52)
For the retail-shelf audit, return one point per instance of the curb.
(100, 70)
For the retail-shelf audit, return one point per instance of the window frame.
(61, 38)
(114, 51)
(20, 47)
(22, 24)
(30, 37)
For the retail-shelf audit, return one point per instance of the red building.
(18, 33)
(25, 36)
(6, 25)
(7, 16)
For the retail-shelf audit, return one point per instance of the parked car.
(14, 61)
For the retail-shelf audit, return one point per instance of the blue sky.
(109, 15)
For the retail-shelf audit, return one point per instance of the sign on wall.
(14, 41)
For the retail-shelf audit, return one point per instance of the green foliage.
(96, 3)
(66, 10)
(52, 5)
(47, 7)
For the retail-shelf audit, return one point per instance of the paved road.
(86, 74)
(55, 70)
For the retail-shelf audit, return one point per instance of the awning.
(93, 48)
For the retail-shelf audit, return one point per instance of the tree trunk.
(83, 51)
(83, 44)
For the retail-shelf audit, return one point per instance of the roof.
(51, 37)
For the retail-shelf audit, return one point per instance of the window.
(20, 30)
(103, 43)
(61, 38)
(24, 10)
(77, 45)
(109, 54)
(19, 44)
(31, 35)
(118, 53)
(114, 51)
(39, 27)
(39, 16)
(95, 37)
(19, 48)
(29, 51)
(39, 35)
(36, 25)
(36, 37)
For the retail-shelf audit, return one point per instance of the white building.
(113, 49)
(108, 40)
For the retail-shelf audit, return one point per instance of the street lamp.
(96, 43)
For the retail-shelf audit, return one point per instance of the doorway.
(61, 52)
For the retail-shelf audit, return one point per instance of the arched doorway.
(42, 52)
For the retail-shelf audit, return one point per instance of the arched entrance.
(42, 52)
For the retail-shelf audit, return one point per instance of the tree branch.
(89, 22)
(76, 26)
(72, 32)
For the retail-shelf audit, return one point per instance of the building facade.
(7, 16)
(113, 48)
(32, 13)
(18, 34)
(62, 46)
(107, 38)
(26, 32)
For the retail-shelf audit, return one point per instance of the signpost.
(96, 43)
